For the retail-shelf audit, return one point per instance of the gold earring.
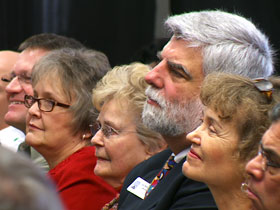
(84, 137)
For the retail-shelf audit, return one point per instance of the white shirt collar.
(181, 155)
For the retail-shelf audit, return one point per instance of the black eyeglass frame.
(265, 160)
(38, 100)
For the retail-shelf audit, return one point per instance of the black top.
(175, 191)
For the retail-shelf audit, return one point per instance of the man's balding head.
(7, 61)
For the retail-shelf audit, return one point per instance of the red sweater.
(79, 187)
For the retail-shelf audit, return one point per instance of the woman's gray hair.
(229, 42)
(24, 186)
(78, 71)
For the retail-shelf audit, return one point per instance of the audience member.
(122, 141)
(10, 137)
(7, 60)
(23, 186)
(58, 124)
(236, 115)
(263, 184)
(202, 42)
(32, 49)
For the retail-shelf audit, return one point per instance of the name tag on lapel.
(139, 187)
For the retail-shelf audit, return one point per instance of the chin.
(31, 139)
(190, 172)
(187, 169)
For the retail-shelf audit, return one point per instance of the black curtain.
(117, 28)
(16, 22)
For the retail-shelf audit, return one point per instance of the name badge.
(139, 187)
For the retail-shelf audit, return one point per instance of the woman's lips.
(251, 193)
(193, 154)
(101, 157)
(32, 126)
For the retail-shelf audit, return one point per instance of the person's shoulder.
(82, 161)
(189, 194)
(154, 162)
(11, 132)
(146, 170)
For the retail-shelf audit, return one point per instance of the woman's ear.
(87, 136)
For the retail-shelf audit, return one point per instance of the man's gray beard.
(171, 118)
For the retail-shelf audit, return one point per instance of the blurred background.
(125, 30)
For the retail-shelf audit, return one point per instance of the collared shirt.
(181, 155)
(11, 138)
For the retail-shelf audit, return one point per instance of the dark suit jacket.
(175, 191)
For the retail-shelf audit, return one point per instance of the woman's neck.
(233, 199)
(56, 155)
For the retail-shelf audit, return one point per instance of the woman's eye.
(212, 129)
(111, 131)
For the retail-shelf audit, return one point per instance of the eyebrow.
(180, 67)
(111, 124)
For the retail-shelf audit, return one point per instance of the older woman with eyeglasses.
(263, 183)
(58, 124)
(121, 139)
(235, 117)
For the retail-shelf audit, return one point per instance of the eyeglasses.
(45, 105)
(22, 78)
(267, 164)
(107, 130)
(265, 87)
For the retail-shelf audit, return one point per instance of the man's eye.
(6, 79)
(177, 73)
(25, 78)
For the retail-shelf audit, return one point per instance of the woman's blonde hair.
(127, 85)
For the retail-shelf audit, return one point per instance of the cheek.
(125, 155)
(116, 152)
(272, 188)
(4, 103)
(216, 155)
(28, 90)
(170, 91)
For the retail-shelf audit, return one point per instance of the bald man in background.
(10, 137)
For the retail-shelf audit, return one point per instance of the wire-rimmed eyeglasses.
(107, 130)
(268, 164)
(22, 78)
(45, 105)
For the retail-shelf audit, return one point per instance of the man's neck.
(177, 143)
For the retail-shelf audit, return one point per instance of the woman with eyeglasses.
(236, 115)
(58, 124)
(121, 139)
